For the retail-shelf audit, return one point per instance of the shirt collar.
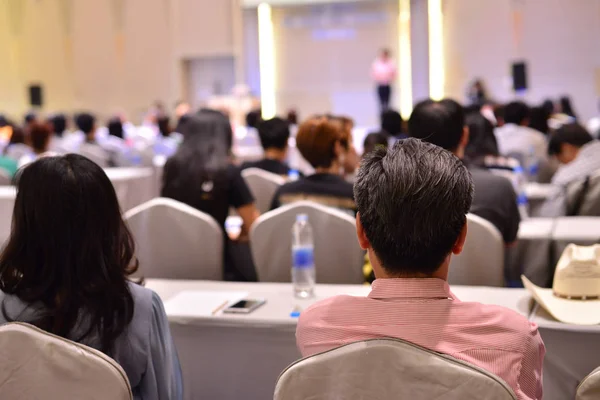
(417, 288)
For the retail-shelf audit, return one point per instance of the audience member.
(499, 115)
(8, 162)
(391, 122)
(30, 119)
(443, 123)
(86, 123)
(538, 120)
(253, 119)
(325, 145)
(374, 140)
(410, 235)
(578, 154)
(164, 126)
(39, 138)
(58, 126)
(351, 158)
(71, 278)
(477, 94)
(516, 139)
(201, 175)
(566, 107)
(274, 135)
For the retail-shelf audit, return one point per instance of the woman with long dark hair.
(65, 269)
(201, 174)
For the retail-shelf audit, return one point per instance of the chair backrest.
(176, 241)
(8, 194)
(589, 388)
(338, 257)
(35, 364)
(482, 261)
(583, 197)
(134, 186)
(387, 369)
(263, 185)
(5, 179)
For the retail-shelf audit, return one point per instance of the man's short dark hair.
(391, 122)
(573, 134)
(374, 140)
(412, 201)
(85, 122)
(439, 122)
(58, 123)
(274, 133)
(516, 112)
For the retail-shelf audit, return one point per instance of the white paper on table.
(201, 303)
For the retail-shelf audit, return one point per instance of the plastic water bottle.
(533, 165)
(293, 175)
(519, 185)
(303, 264)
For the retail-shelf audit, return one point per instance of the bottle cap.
(301, 218)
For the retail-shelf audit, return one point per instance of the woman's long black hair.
(69, 252)
(197, 174)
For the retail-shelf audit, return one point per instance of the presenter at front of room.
(383, 72)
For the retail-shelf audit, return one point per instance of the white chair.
(263, 185)
(482, 260)
(176, 241)
(338, 257)
(8, 195)
(95, 153)
(589, 388)
(583, 197)
(134, 186)
(37, 365)
(387, 369)
(5, 179)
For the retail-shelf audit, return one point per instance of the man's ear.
(464, 140)
(360, 233)
(460, 242)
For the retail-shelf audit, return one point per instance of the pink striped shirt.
(426, 313)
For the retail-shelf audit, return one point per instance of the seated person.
(326, 146)
(9, 163)
(90, 148)
(39, 138)
(516, 139)
(579, 156)
(410, 236)
(274, 135)
(374, 140)
(71, 278)
(443, 124)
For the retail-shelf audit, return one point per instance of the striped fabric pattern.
(426, 313)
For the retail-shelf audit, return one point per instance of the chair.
(8, 194)
(387, 369)
(134, 186)
(35, 364)
(482, 261)
(176, 241)
(5, 179)
(338, 257)
(263, 185)
(583, 197)
(95, 153)
(589, 388)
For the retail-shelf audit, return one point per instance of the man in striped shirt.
(412, 203)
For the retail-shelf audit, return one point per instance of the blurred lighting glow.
(405, 57)
(266, 48)
(436, 50)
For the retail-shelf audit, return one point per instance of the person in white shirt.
(516, 139)
(383, 72)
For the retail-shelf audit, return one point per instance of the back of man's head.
(439, 122)
(391, 122)
(516, 112)
(573, 134)
(85, 122)
(274, 133)
(412, 201)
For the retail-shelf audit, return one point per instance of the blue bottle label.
(303, 257)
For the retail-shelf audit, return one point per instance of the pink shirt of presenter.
(383, 71)
(425, 312)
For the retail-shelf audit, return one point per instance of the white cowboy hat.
(575, 294)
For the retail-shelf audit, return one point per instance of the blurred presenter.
(383, 72)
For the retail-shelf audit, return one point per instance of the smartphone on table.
(245, 306)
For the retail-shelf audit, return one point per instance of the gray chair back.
(176, 241)
(482, 261)
(263, 185)
(5, 179)
(387, 369)
(8, 194)
(583, 197)
(338, 257)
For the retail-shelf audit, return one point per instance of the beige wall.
(106, 55)
(559, 41)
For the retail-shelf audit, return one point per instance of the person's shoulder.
(501, 320)
(247, 164)
(335, 307)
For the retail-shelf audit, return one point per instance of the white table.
(134, 186)
(7, 203)
(235, 357)
(537, 193)
(572, 352)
